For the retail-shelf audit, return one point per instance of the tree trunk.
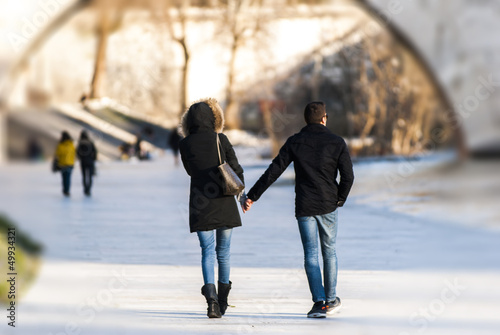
(185, 74)
(396, 141)
(232, 118)
(265, 107)
(373, 100)
(316, 76)
(97, 85)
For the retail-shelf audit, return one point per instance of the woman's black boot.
(208, 290)
(223, 293)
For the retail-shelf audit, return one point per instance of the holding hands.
(246, 205)
(245, 202)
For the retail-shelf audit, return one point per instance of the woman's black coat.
(208, 208)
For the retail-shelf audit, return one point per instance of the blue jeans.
(87, 173)
(210, 248)
(326, 226)
(66, 178)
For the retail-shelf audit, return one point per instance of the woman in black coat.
(212, 215)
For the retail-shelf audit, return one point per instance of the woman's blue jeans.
(66, 178)
(215, 243)
(326, 227)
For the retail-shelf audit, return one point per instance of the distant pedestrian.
(65, 159)
(125, 151)
(212, 215)
(138, 146)
(139, 150)
(87, 154)
(34, 150)
(318, 156)
(173, 142)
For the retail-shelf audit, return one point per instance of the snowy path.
(124, 262)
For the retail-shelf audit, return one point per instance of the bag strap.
(218, 148)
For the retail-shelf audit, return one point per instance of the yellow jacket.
(65, 153)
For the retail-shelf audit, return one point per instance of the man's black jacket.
(317, 154)
(86, 151)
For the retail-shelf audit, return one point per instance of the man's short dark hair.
(314, 112)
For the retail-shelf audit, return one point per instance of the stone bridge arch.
(390, 13)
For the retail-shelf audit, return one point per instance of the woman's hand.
(247, 205)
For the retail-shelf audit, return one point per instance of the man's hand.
(247, 205)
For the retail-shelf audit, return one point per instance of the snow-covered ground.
(124, 262)
(434, 186)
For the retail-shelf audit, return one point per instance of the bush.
(27, 260)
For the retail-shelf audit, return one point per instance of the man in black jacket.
(87, 154)
(318, 155)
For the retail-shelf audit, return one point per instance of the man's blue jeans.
(215, 243)
(326, 226)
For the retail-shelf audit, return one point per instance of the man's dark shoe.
(318, 310)
(333, 306)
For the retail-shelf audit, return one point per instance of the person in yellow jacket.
(65, 156)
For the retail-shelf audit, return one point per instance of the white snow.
(124, 262)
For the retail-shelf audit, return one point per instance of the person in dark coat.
(212, 215)
(87, 154)
(138, 147)
(318, 156)
(34, 150)
(173, 142)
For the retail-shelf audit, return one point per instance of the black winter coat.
(87, 153)
(317, 155)
(208, 208)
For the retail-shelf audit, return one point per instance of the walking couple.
(318, 156)
(64, 160)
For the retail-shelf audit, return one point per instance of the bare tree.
(423, 66)
(174, 15)
(102, 33)
(244, 20)
(110, 14)
(399, 98)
